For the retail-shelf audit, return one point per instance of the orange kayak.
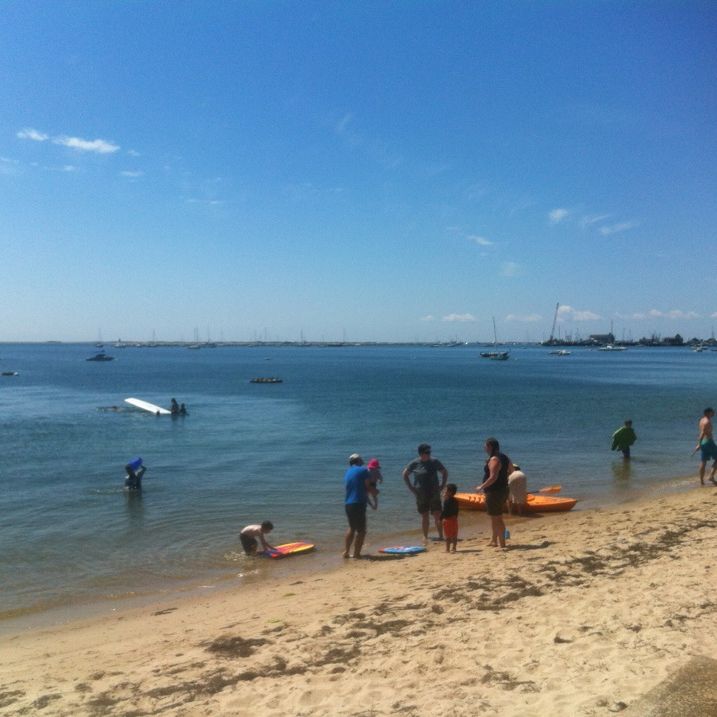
(537, 503)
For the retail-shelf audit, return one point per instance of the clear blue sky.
(362, 170)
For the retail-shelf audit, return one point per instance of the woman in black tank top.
(495, 486)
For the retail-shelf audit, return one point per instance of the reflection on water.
(134, 505)
(621, 470)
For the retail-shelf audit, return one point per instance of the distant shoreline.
(692, 343)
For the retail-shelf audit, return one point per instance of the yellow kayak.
(537, 503)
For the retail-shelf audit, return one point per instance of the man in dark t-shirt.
(426, 487)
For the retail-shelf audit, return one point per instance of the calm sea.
(71, 535)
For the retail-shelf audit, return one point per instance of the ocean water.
(70, 535)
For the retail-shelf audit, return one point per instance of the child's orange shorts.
(450, 528)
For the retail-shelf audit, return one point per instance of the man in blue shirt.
(356, 482)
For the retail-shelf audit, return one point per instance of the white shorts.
(517, 487)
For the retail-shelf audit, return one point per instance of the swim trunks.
(249, 543)
(356, 513)
(428, 500)
(708, 449)
(450, 528)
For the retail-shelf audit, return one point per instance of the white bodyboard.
(147, 406)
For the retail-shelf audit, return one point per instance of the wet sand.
(588, 613)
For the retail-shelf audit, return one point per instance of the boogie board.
(282, 551)
(147, 406)
(403, 549)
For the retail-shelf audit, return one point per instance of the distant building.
(602, 338)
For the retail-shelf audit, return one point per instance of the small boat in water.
(561, 352)
(495, 355)
(100, 356)
(8, 373)
(610, 347)
(266, 379)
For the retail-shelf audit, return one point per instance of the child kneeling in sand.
(249, 535)
(449, 517)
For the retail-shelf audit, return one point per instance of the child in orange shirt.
(449, 516)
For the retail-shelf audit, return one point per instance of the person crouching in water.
(495, 486)
(135, 470)
(449, 517)
(249, 535)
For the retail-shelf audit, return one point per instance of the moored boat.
(101, 356)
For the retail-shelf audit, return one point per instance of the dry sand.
(588, 613)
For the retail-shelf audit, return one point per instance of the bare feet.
(345, 556)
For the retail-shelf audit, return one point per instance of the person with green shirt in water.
(623, 438)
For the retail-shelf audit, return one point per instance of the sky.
(365, 171)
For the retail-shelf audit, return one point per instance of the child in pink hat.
(374, 469)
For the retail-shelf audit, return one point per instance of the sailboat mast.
(555, 318)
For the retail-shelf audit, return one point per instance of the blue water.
(70, 534)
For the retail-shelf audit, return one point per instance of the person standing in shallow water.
(706, 445)
(495, 486)
(357, 480)
(623, 438)
(426, 487)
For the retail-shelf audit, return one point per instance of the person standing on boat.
(495, 486)
(623, 438)
(174, 408)
(706, 445)
(357, 481)
(426, 487)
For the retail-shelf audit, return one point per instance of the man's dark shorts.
(428, 501)
(708, 449)
(356, 513)
(249, 543)
(495, 502)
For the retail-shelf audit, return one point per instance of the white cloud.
(209, 202)
(99, 146)
(459, 317)
(132, 174)
(527, 318)
(617, 228)
(568, 313)
(33, 134)
(557, 215)
(428, 317)
(480, 241)
(9, 166)
(672, 314)
(133, 153)
(510, 268)
(590, 219)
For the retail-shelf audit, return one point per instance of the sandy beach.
(588, 613)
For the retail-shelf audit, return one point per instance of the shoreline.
(238, 576)
(245, 576)
(584, 613)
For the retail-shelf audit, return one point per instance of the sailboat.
(495, 355)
